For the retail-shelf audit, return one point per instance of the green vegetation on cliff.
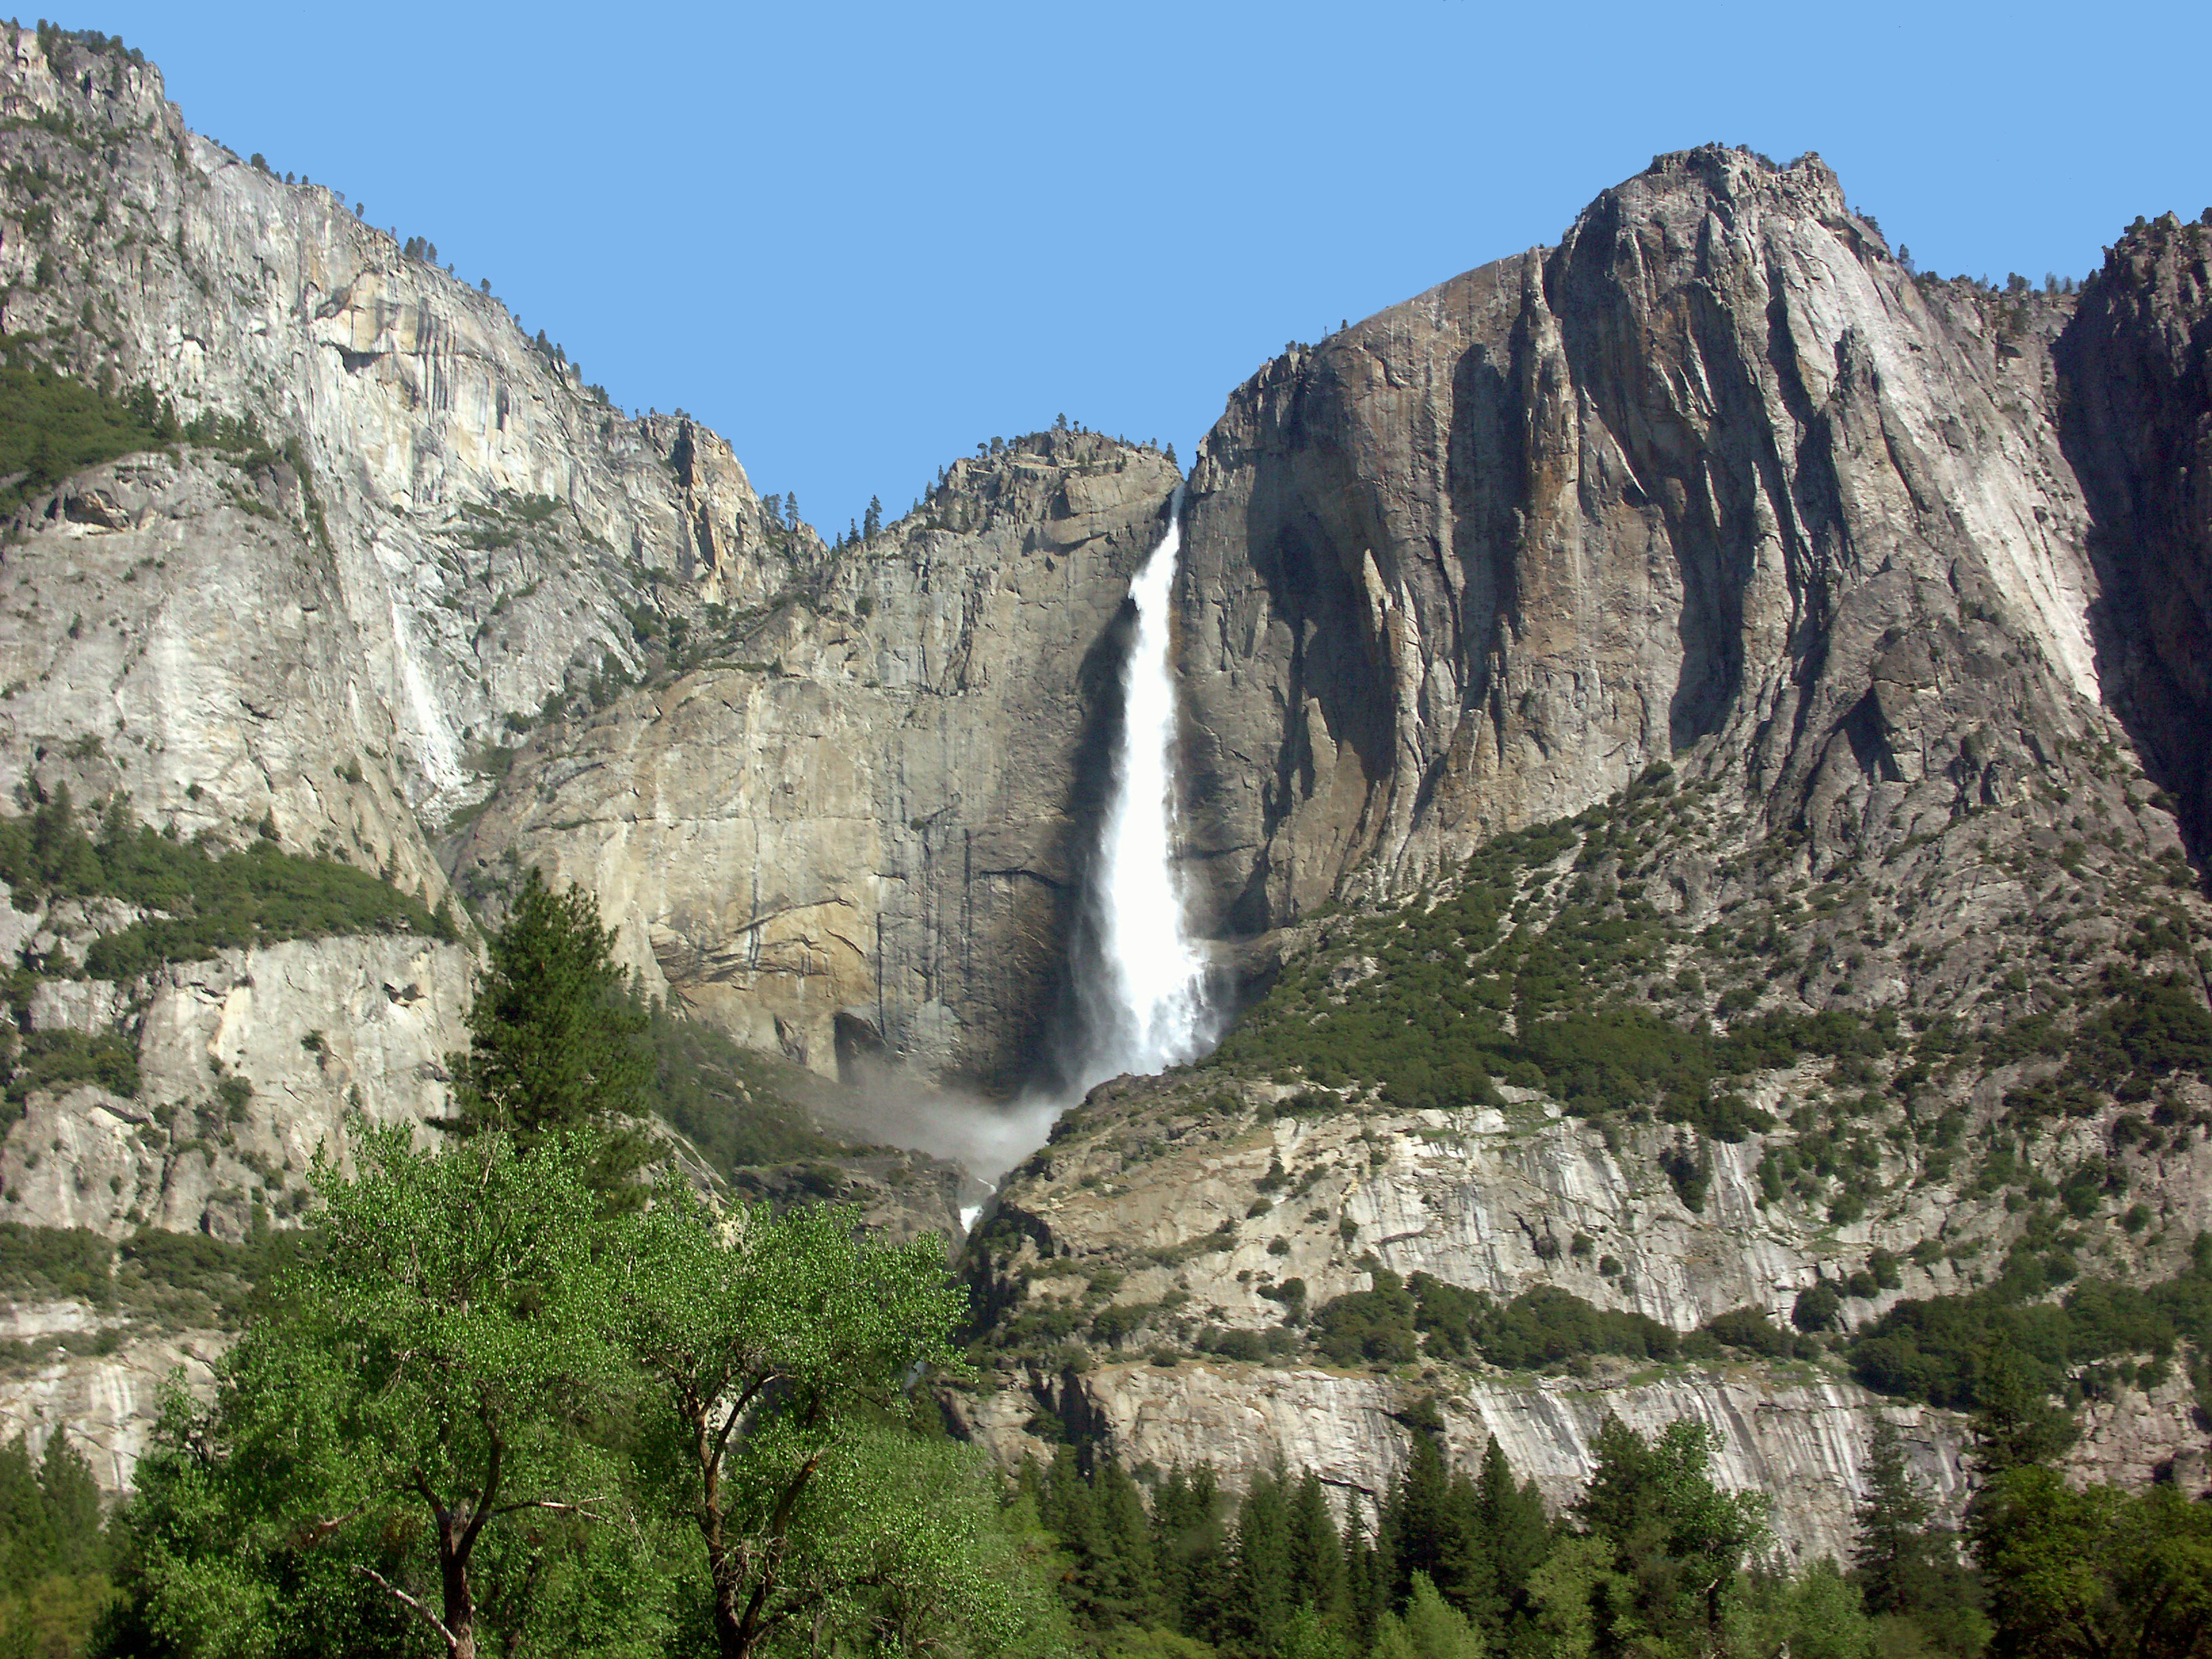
(204, 900)
(1939, 1349)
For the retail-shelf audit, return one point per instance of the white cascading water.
(1141, 989)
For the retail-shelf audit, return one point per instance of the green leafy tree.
(1817, 1614)
(771, 1344)
(403, 1424)
(2095, 1574)
(1677, 1540)
(1430, 1628)
(556, 1045)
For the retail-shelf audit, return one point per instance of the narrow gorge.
(1634, 824)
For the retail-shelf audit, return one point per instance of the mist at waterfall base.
(1138, 979)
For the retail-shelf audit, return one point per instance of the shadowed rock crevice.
(2135, 370)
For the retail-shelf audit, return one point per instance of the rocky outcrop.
(855, 833)
(1803, 1443)
(1699, 478)
(2136, 371)
(250, 1066)
(108, 1403)
(446, 527)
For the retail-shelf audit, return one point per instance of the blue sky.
(857, 238)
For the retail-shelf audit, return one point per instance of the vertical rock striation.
(1700, 479)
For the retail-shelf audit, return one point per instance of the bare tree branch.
(548, 1504)
(453, 1642)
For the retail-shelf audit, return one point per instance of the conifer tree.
(2014, 1424)
(1366, 1590)
(1188, 1548)
(1261, 1587)
(1125, 1584)
(1418, 1521)
(1511, 1537)
(555, 1044)
(1316, 1553)
(1890, 1522)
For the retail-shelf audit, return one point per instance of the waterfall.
(1141, 981)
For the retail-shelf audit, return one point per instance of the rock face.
(315, 1031)
(455, 530)
(1906, 581)
(859, 834)
(107, 1405)
(1804, 1443)
(2135, 366)
(1697, 478)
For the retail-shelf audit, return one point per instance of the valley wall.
(1903, 581)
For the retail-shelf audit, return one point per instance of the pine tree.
(1366, 1594)
(2014, 1423)
(1418, 1518)
(1317, 1578)
(27, 1544)
(71, 1497)
(873, 523)
(1513, 1537)
(553, 1042)
(1890, 1522)
(1189, 1550)
(1262, 1582)
(1125, 1584)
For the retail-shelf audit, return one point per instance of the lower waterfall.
(1141, 985)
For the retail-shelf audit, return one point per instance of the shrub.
(52, 426)
(1935, 1348)
(1751, 1329)
(59, 1061)
(1817, 1307)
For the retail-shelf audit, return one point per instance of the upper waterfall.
(1141, 985)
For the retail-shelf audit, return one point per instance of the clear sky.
(857, 238)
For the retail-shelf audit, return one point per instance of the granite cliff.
(1706, 631)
